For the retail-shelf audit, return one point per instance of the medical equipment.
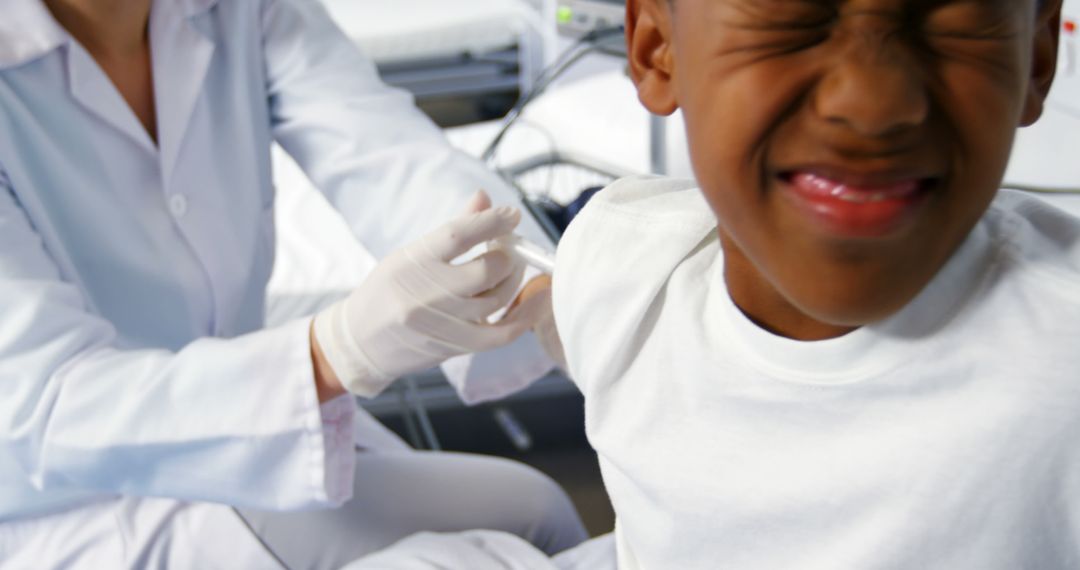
(599, 40)
(579, 17)
(464, 61)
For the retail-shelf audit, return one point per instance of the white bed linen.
(485, 550)
(419, 29)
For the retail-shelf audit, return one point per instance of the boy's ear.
(1044, 59)
(649, 54)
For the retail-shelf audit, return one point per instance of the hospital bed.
(465, 60)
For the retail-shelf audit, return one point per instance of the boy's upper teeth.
(817, 184)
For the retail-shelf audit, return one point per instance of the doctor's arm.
(381, 162)
(376, 157)
(234, 421)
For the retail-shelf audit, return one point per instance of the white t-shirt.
(947, 437)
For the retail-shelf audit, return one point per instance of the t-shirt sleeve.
(611, 264)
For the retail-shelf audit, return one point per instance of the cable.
(412, 395)
(588, 43)
(552, 146)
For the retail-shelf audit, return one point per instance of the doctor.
(141, 399)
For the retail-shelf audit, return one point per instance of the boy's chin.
(845, 312)
(830, 299)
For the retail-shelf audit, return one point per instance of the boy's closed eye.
(969, 30)
(976, 19)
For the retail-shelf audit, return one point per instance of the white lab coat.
(132, 277)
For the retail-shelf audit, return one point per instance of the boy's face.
(847, 147)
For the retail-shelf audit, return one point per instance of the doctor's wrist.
(327, 385)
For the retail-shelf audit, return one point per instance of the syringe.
(528, 251)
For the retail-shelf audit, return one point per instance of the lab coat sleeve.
(232, 421)
(381, 162)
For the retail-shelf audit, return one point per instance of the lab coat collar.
(196, 7)
(181, 58)
(182, 55)
(27, 32)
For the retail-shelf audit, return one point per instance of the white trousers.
(397, 494)
(486, 550)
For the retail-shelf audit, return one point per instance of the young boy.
(841, 347)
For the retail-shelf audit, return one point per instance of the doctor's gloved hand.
(417, 309)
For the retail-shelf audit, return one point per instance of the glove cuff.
(357, 373)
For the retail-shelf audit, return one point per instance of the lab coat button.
(178, 205)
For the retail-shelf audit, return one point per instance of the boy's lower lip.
(857, 211)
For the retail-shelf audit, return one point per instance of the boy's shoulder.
(652, 198)
(641, 225)
(1037, 237)
(617, 257)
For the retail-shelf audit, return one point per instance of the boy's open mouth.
(857, 204)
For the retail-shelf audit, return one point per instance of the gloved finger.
(502, 294)
(483, 273)
(460, 235)
(446, 335)
(479, 202)
(478, 337)
(480, 307)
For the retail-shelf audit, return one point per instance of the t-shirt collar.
(875, 348)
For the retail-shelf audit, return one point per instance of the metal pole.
(658, 144)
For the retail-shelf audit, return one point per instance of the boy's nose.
(874, 90)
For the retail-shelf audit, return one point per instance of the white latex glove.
(417, 309)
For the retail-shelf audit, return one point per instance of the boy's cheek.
(979, 123)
